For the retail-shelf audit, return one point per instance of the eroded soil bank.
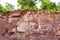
(29, 25)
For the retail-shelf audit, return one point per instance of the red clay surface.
(30, 25)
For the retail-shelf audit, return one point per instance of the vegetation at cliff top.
(31, 5)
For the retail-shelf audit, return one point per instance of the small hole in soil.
(58, 38)
(11, 33)
(59, 29)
